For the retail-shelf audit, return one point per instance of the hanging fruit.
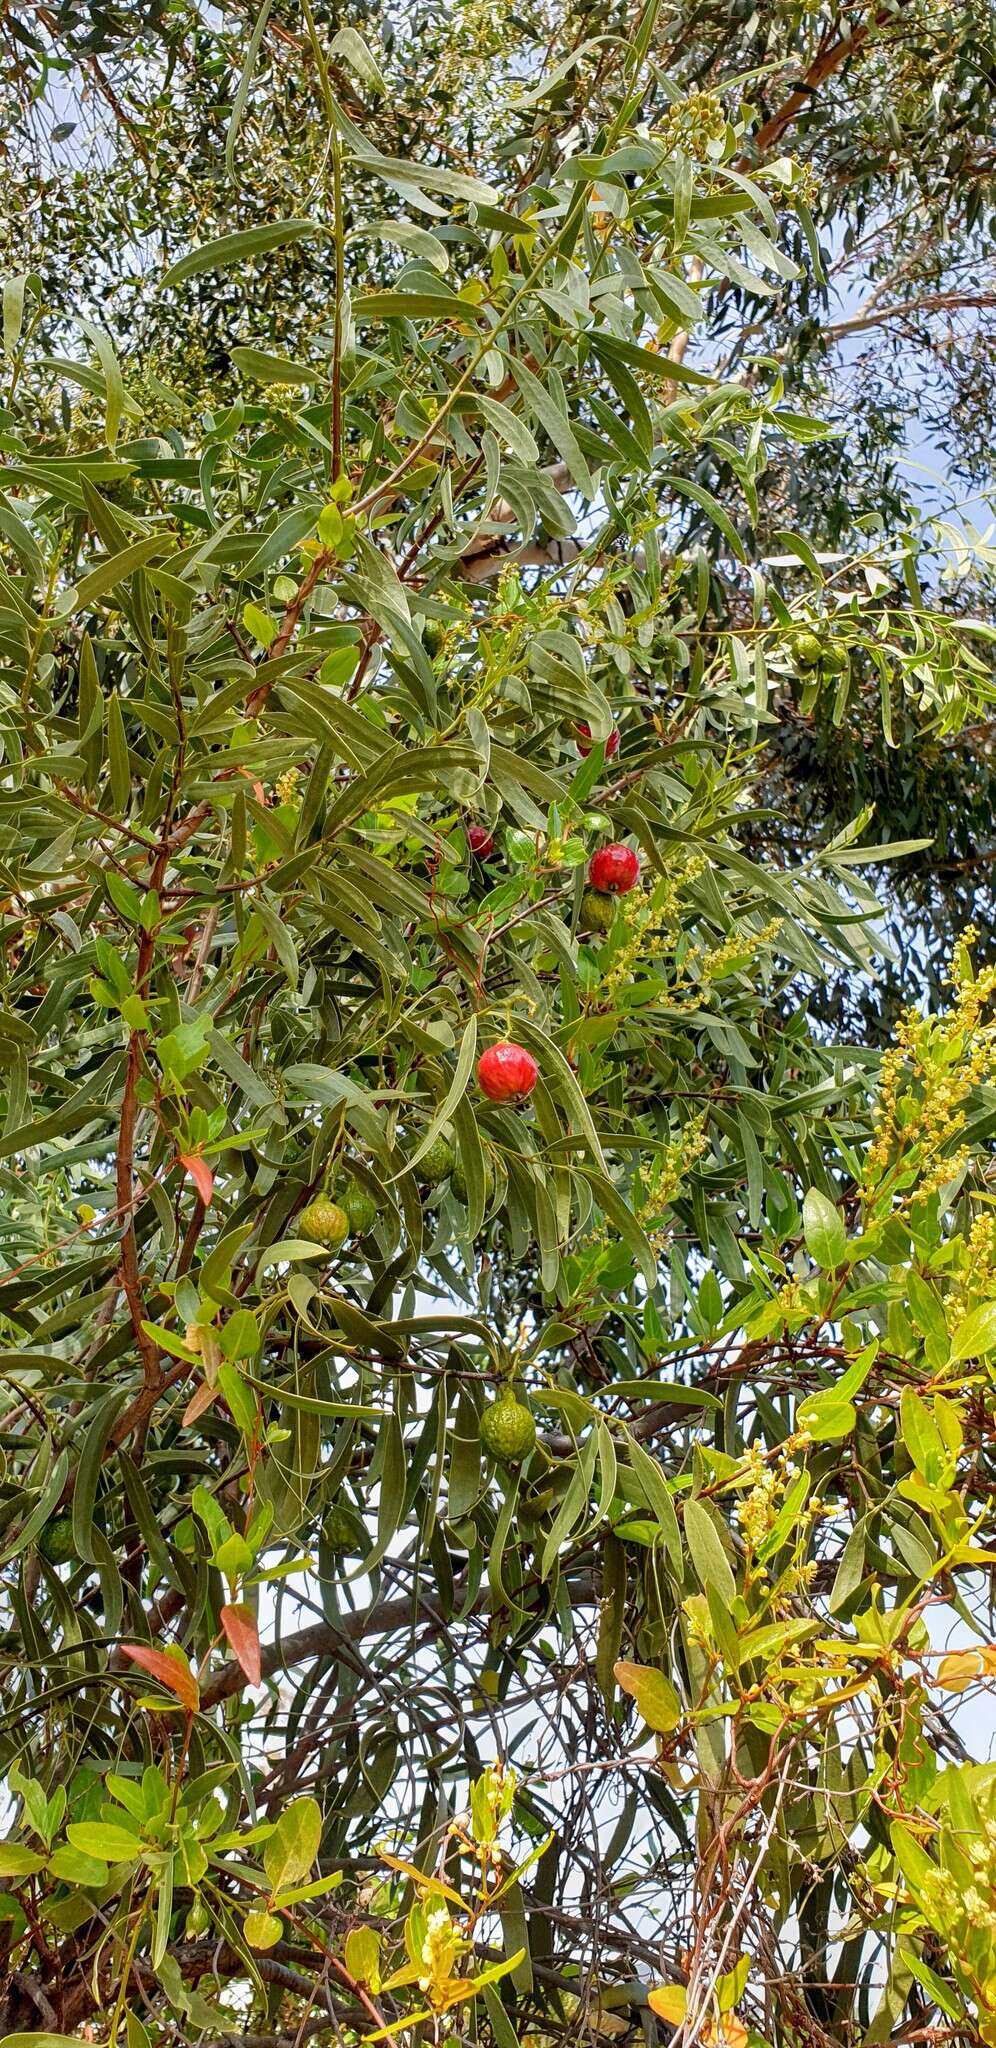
(437, 1162)
(480, 841)
(597, 911)
(614, 870)
(508, 1430)
(507, 1072)
(360, 1208)
(324, 1222)
(584, 741)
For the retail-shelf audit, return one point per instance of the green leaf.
(102, 1839)
(115, 570)
(349, 44)
(263, 368)
(404, 235)
(240, 247)
(706, 1551)
(291, 1850)
(261, 1929)
(113, 381)
(825, 1230)
(13, 311)
(975, 1335)
(17, 1860)
(74, 1867)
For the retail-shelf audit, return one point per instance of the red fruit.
(585, 742)
(507, 1073)
(614, 870)
(480, 841)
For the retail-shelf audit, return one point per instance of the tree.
(498, 1415)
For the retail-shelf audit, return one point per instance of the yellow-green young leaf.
(731, 1986)
(293, 1845)
(975, 1336)
(826, 1417)
(259, 625)
(105, 1840)
(262, 1929)
(17, 1860)
(73, 1866)
(654, 1694)
(362, 1956)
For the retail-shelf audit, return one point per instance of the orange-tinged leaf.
(668, 2002)
(239, 1624)
(730, 2033)
(198, 1404)
(171, 1669)
(201, 1175)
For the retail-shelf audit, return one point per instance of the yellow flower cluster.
(666, 1177)
(692, 123)
(739, 947)
(927, 1079)
(649, 918)
(756, 1512)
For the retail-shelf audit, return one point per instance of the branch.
(930, 302)
(324, 1638)
(823, 66)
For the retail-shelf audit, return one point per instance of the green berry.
(435, 1164)
(458, 1182)
(806, 649)
(323, 1222)
(56, 1540)
(835, 661)
(597, 911)
(360, 1208)
(339, 1531)
(508, 1431)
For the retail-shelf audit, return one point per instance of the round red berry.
(613, 870)
(585, 741)
(507, 1073)
(480, 841)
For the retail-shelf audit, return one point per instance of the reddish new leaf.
(199, 1403)
(173, 1672)
(201, 1175)
(239, 1624)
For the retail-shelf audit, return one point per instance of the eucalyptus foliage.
(325, 672)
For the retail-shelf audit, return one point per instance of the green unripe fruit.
(437, 1162)
(597, 911)
(835, 661)
(432, 637)
(56, 1540)
(323, 1222)
(339, 1532)
(198, 1919)
(508, 1431)
(806, 649)
(360, 1208)
(458, 1182)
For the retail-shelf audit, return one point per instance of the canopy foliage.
(493, 1565)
